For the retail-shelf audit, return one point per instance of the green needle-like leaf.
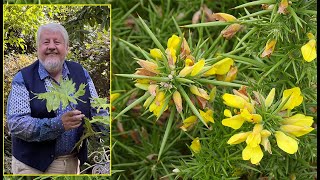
(166, 134)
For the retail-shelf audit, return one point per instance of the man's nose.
(51, 46)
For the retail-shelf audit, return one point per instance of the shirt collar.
(43, 73)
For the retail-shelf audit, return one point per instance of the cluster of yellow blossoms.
(165, 72)
(285, 130)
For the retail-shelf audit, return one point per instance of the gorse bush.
(232, 95)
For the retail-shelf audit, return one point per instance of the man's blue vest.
(40, 155)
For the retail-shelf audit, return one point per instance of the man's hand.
(72, 119)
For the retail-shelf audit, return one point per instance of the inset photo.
(56, 89)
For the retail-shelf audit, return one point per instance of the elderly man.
(42, 141)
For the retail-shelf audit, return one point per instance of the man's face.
(52, 50)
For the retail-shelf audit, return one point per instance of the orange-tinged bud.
(268, 50)
(150, 66)
(185, 49)
(283, 7)
(177, 101)
(232, 74)
(231, 30)
(152, 89)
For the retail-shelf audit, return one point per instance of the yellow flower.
(158, 104)
(177, 101)
(286, 143)
(187, 69)
(195, 145)
(237, 102)
(199, 92)
(238, 138)
(294, 100)
(309, 51)
(227, 113)
(234, 122)
(114, 96)
(221, 67)
(283, 7)
(156, 53)
(223, 17)
(255, 154)
(296, 130)
(189, 122)
(207, 116)
(271, 44)
(173, 42)
(254, 138)
(298, 120)
(197, 67)
(270, 97)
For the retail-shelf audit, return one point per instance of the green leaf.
(61, 95)
(100, 103)
(102, 119)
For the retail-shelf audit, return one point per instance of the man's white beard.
(53, 65)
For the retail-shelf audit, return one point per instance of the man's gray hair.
(54, 27)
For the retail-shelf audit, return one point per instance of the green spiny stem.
(166, 134)
(219, 83)
(160, 79)
(138, 101)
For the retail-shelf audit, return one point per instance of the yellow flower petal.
(223, 17)
(309, 51)
(199, 92)
(296, 130)
(188, 122)
(270, 97)
(256, 118)
(286, 143)
(185, 71)
(173, 42)
(294, 100)
(298, 120)
(254, 138)
(221, 67)
(257, 155)
(227, 113)
(238, 138)
(197, 67)
(156, 53)
(234, 122)
(234, 101)
(253, 153)
(114, 96)
(311, 36)
(195, 145)
(207, 116)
